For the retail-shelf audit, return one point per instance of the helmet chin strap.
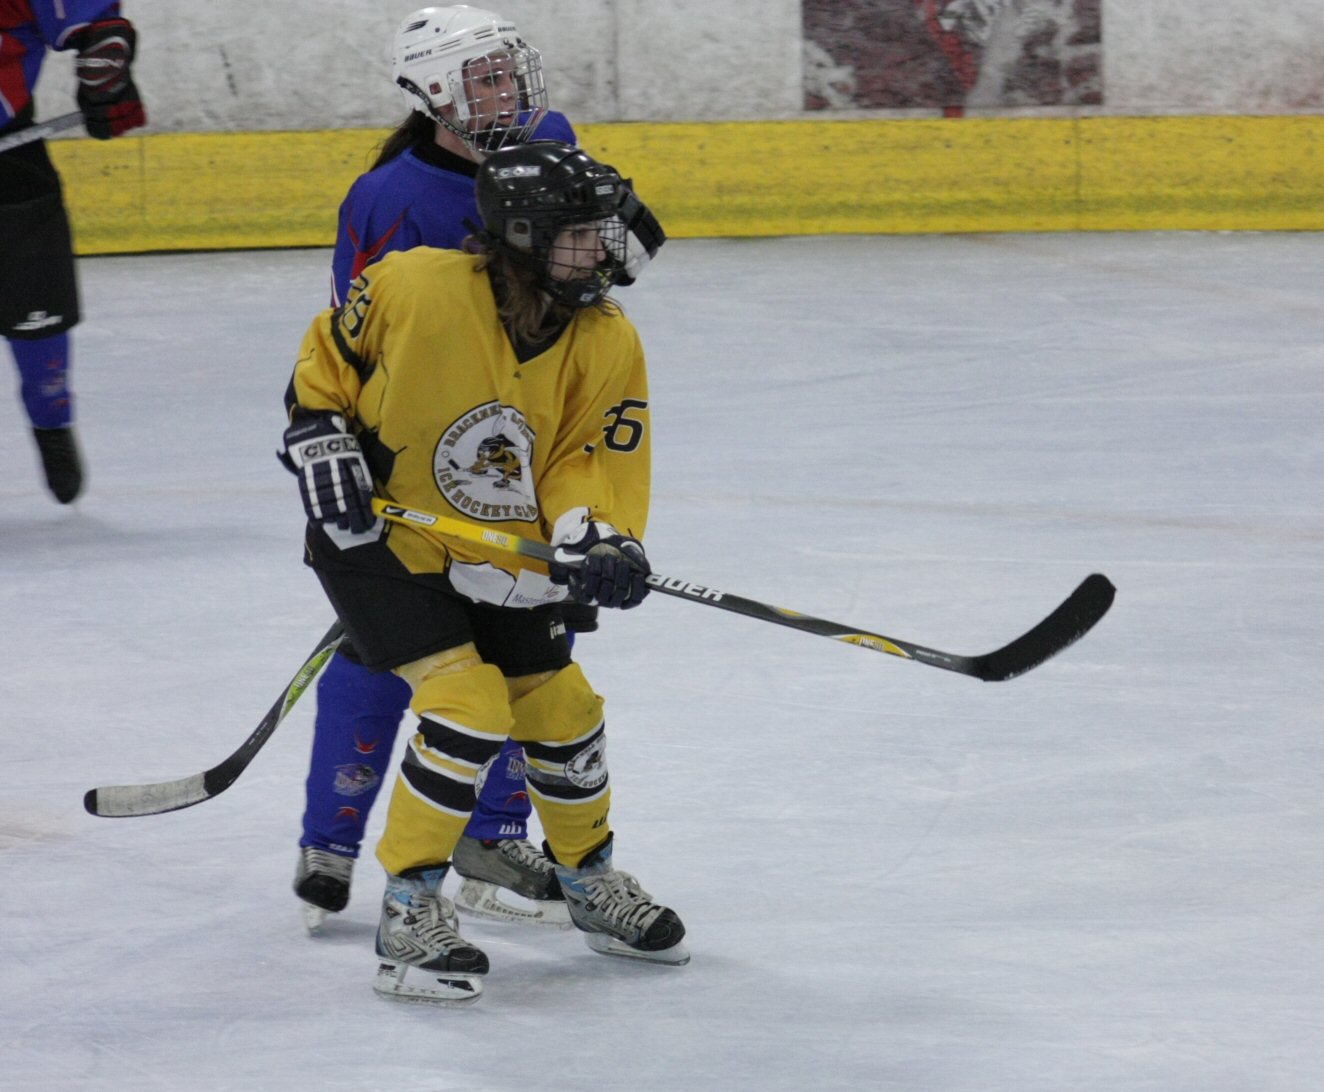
(581, 292)
(491, 139)
(470, 139)
(578, 291)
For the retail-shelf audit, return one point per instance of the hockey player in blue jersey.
(471, 86)
(38, 284)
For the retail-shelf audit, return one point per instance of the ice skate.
(60, 462)
(322, 882)
(420, 955)
(617, 916)
(493, 872)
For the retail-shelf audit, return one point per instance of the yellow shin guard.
(560, 725)
(464, 719)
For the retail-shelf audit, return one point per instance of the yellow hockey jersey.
(418, 360)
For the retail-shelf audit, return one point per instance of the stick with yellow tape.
(1072, 619)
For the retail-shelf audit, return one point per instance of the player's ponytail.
(415, 129)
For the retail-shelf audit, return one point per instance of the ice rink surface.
(1104, 876)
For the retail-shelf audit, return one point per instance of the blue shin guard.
(358, 716)
(43, 368)
(503, 806)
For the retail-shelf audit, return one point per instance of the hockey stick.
(1072, 619)
(40, 132)
(119, 801)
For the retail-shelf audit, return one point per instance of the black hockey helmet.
(529, 193)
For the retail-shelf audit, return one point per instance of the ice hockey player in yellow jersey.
(504, 385)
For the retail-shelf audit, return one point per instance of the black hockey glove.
(597, 563)
(643, 236)
(107, 95)
(334, 480)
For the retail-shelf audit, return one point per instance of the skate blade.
(480, 899)
(430, 987)
(313, 918)
(675, 956)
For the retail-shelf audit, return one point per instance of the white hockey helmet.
(469, 70)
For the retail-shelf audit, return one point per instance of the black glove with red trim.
(107, 95)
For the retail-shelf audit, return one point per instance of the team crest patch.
(588, 769)
(484, 465)
(355, 778)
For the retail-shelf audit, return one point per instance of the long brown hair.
(417, 128)
(526, 311)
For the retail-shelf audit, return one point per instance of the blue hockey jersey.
(407, 203)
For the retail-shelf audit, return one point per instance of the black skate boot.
(60, 461)
(322, 882)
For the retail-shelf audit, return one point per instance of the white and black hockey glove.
(640, 242)
(597, 563)
(334, 480)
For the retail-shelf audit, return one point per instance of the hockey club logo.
(483, 465)
(498, 456)
(354, 779)
(588, 769)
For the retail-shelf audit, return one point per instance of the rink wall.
(745, 117)
(183, 191)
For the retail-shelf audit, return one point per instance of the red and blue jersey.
(410, 202)
(27, 29)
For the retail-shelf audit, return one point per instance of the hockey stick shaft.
(41, 131)
(122, 801)
(1070, 621)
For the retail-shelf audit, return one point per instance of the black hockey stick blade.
(123, 801)
(1074, 617)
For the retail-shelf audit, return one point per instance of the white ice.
(1104, 876)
